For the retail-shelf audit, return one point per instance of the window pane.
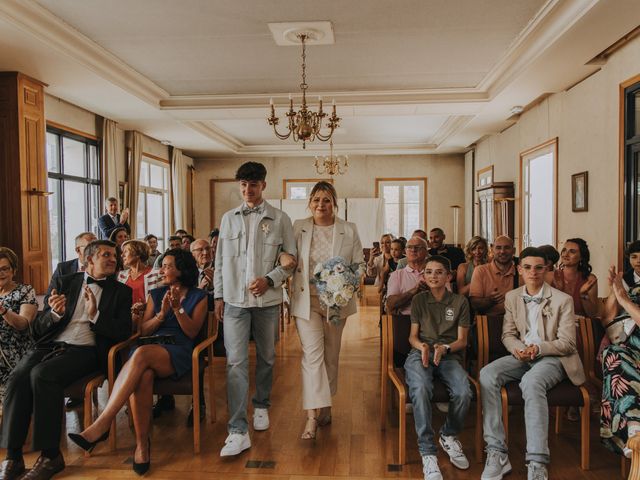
(157, 176)
(412, 194)
(155, 213)
(541, 198)
(391, 193)
(73, 157)
(76, 215)
(94, 167)
(144, 174)
(141, 230)
(94, 207)
(53, 159)
(54, 221)
(411, 219)
(392, 219)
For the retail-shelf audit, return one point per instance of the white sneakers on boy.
(430, 468)
(235, 444)
(260, 419)
(496, 466)
(452, 446)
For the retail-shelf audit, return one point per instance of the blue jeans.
(535, 379)
(420, 381)
(239, 323)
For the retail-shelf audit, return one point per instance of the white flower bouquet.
(337, 282)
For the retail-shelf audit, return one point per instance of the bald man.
(490, 282)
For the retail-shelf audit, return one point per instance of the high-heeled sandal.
(85, 444)
(142, 468)
(310, 429)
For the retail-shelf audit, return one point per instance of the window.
(153, 200)
(539, 197)
(73, 167)
(295, 189)
(404, 204)
(631, 185)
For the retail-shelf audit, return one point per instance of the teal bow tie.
(249, 211)
(529, 299)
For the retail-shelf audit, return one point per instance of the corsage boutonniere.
(265, 228)
(546, 311)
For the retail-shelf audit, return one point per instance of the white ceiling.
(409, 76)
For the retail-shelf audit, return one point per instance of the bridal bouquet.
(337, 282)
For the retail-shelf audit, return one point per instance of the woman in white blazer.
(319, 238)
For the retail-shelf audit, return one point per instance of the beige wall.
(445, 184)
(586, 121)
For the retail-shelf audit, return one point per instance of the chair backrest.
(398, 329)
(490, 346)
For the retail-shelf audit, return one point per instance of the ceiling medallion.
(304, 124)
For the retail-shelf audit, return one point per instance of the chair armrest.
(113, 351)
(206, 343)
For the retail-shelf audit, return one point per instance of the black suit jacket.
(106, 225)
(63, 268)
(113, 324)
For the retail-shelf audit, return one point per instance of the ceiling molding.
(216, 134)
(452, 125)
(34, 19)
(295, 150)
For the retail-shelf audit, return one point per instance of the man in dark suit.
(86, 314)
(111, 220)
(74, 265)
(454, 254)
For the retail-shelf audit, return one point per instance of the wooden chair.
(396, 346)
(565, 394)
(201, 358)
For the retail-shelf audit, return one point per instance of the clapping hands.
(57, 302)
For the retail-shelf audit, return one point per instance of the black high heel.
(142, 468)
(85, 444)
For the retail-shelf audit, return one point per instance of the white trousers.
(320, 354)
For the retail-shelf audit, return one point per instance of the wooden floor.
(352, 447)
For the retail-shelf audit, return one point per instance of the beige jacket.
(346, 244)
(556, 327)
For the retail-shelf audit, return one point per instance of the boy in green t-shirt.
(439, 327)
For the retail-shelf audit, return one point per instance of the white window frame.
(163, 237)
(307, 183)
(528, 191)
(421, 183)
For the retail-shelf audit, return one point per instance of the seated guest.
(137, 275)
(174, 242)
(87, 313)
(118, 236)
(402, 263)
(378, 255)
(178, 309)
(490, 282)
(553, 256)
(18, 308)
(180, 233)
(213, 241)
(476, 254)
(73, 265)
(574, 277)
(620, 418)
(454, 254)
(111, 220)
(539, 331)
(154, 253)
(390, 265)
(440, 323)
(406, 283)
(201, 251)
(186, 242)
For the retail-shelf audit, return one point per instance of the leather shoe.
(11, 469)
(44, 468)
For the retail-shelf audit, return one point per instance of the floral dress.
(621, 387)
(14, 343)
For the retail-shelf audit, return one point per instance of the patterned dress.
(621, 387)
(13, 343)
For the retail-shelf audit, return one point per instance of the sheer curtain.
(179, 171)
(133, 141)
(109, 159)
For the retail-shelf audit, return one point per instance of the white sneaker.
(496, 466)
(260, 419)
(235, 443)
(537, 471)
(452, 446)
(430, 468)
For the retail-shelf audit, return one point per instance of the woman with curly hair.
(475, 252)
(574, 277)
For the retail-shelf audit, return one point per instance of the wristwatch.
(269, 281)
(181, 310)
(447, 347)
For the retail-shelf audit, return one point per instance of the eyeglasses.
(202, 249)
(537, 268)
(415, 247)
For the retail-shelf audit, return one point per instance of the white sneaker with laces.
(537, 471)
(260, 419)
(496, 466)
(235, 443)
(452, 446)
(430, 468)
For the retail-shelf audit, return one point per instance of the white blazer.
(346, 244)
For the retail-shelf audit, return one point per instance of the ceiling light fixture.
(304, 124)
(331, 165)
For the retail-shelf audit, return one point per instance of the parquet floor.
(352, 447)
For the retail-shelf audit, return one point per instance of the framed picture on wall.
(580, 192)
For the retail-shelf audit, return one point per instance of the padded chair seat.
(564, 394)
(77, 388)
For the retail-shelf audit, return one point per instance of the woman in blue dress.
(177, 309)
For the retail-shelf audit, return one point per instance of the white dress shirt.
(78, 331)
(533, 310)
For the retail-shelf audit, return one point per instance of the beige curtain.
(133, 141)
(179, 171)
(109, 159)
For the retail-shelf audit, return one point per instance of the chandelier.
(331, 165)
(304, 124)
